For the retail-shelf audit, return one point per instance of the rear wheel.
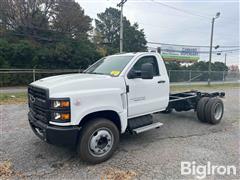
(214, 110)
(201, 109)
(98, 140)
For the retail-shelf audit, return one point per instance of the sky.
(188, 22)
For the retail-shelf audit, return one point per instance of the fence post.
(223, 76)
(34, 75)
(169, 75)
(190, 77)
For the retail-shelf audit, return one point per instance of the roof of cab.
(133, 53)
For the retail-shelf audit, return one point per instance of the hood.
(78, 82)
(54, 81)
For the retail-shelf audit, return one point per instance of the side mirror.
(134, 74)
(147, 71)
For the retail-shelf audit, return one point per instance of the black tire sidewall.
(86, 133)
(201, 109)
(210, 110)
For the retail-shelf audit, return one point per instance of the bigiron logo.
(201, 171)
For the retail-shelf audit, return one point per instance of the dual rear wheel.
(210, 110)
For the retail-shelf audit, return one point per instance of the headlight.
(60, 103)
(60, 110)
(61, 116)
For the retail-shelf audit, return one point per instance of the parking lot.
(156, 154)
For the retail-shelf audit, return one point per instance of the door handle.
(161, 81)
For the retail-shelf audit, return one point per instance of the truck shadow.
(175, 125)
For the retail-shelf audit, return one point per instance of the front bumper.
(63, 136)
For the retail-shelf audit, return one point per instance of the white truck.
(117, 94)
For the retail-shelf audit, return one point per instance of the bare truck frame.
(201, 102)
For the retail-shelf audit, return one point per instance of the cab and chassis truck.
(117, 94)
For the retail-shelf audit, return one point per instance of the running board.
(147, 128)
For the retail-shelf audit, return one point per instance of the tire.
(214, 110)
(98, 140)
(201, 109)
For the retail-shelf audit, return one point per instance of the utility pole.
(210, 52)
(121, 24)
(225, 59)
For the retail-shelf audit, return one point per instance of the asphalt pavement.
(155, 154)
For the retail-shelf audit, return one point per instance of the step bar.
(147, 128)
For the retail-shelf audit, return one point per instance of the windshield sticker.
(115, 73)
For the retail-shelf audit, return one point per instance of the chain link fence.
(198, 77)
(22, 77)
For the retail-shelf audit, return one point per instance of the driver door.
(146, 95)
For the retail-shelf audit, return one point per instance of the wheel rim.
(218, 111)
(100, 142)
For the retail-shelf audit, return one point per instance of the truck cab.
(115, 89)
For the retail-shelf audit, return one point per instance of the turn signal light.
(65, 116)
(65, 103)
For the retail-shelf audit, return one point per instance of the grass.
(13, 98)
(6, 169)
(179, 88)
(118, 174)
(21, 97)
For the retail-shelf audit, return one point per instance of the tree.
(41, 19)
(69, 18)
(134, 39)
(6, 51)
(44, 34)
(25, 14)
(203, 66)
(199, 66)
(173, 66)
(219, 66)
(23, 54)
(108, 25)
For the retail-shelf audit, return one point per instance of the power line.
(199, 52)
(229, 50)
(185, 45)
(91, 35)
(181, 10)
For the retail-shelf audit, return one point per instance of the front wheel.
(98, 140)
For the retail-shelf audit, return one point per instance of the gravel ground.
(156, 154)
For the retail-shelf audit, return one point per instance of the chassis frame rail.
(186, 101)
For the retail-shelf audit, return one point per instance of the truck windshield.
(111, 65)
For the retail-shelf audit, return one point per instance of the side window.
(147, 59)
